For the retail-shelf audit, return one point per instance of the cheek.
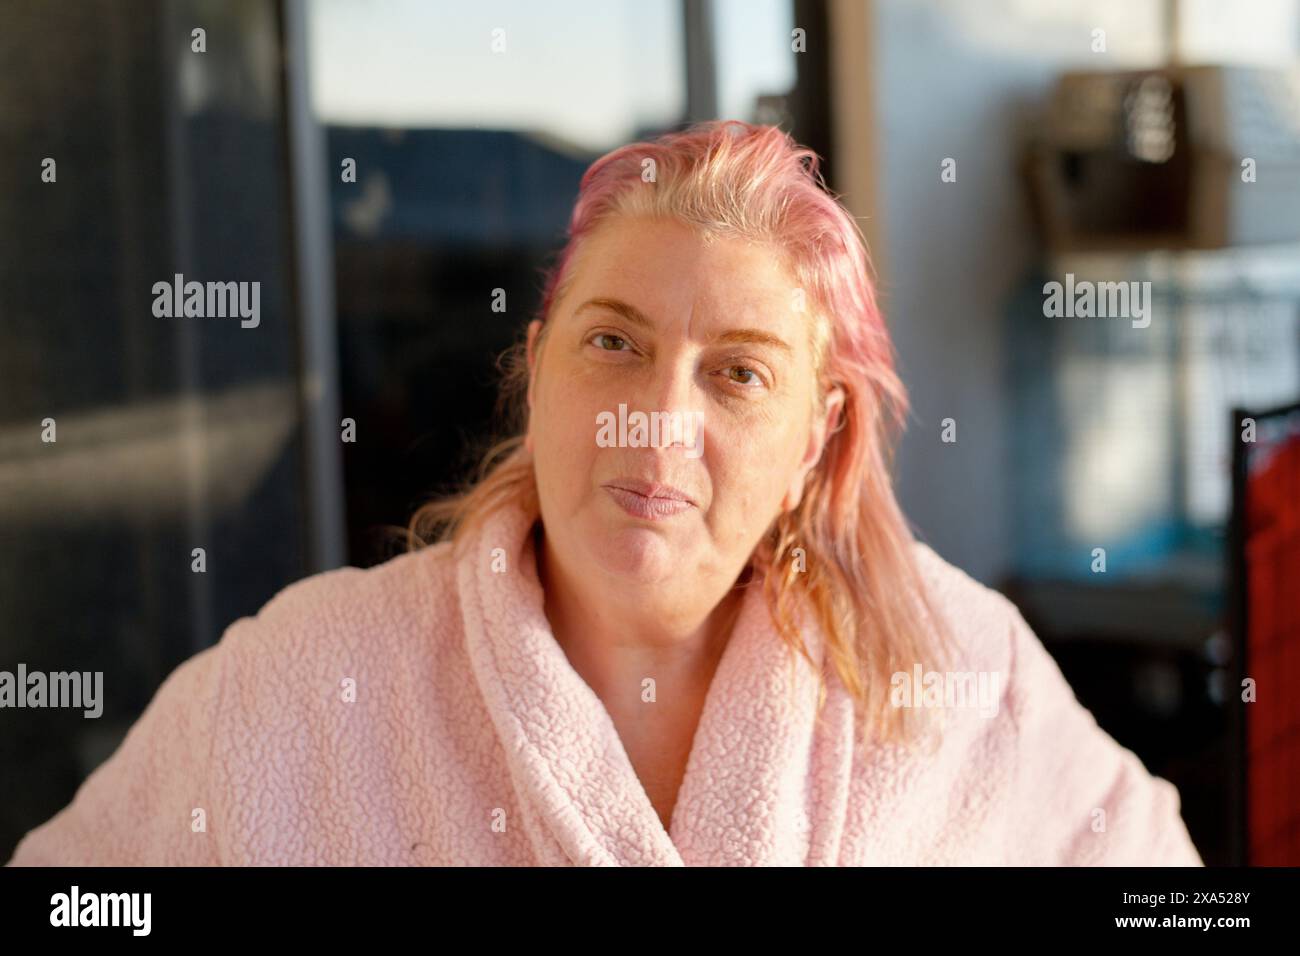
(751, 470)
(564, 427)
(761, 452)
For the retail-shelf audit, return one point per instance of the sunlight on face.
(658, 321)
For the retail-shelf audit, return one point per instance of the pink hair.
(731, 179)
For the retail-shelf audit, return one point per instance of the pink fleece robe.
(422, 713)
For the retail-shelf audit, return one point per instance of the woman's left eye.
(751, 379)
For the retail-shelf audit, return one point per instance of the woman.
(678, 620)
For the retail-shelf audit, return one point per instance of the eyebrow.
(738, 336)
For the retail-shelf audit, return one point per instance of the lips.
(649, 489)
(648, 499)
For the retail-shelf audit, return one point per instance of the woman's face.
(707, 335)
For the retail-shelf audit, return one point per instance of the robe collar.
(766, 782)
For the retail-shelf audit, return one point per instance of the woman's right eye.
(606, 337)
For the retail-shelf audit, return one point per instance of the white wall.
(932, 80)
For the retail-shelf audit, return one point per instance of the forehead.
(671, 268)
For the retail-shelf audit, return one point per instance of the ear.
(823, 426)
(534, 332)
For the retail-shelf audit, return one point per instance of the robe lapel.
(582, 801)
(767, 782)
(763, 784)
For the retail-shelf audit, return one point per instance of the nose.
(672, 387)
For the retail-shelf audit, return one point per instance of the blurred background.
(988, 147)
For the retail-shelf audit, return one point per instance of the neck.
(616, 643)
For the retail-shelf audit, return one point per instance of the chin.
(636, 551)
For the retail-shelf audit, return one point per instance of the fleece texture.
(421, 713)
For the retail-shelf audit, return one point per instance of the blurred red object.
(1272, 554)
